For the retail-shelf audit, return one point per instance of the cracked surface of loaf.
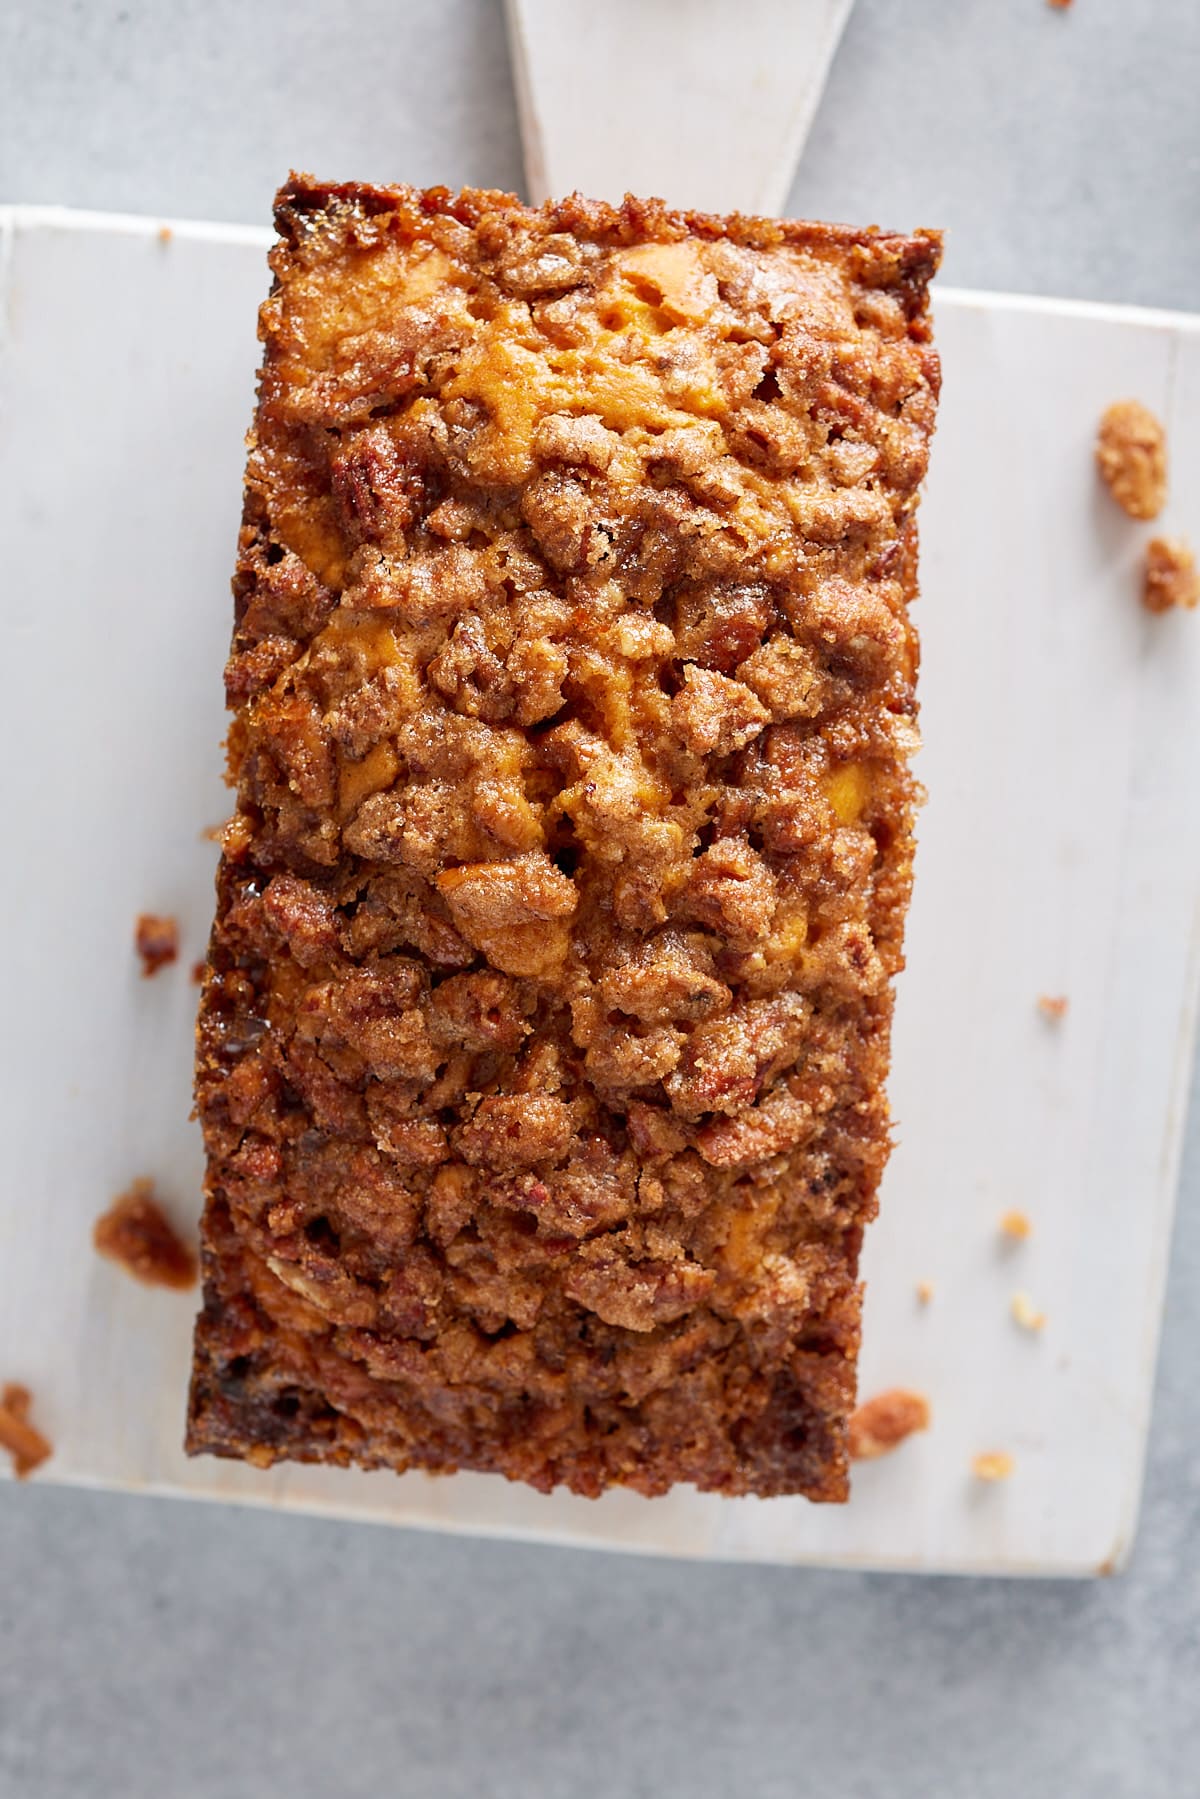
(543, 1038)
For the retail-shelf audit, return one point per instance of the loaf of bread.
(543, 1040)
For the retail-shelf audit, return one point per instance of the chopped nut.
(1171, 578)
(992, 1464)
(514, 912)
(1053, 1006)
(26, 1445)
(157, 942)
(1015, 1225)
(136, 1232)
(925, 1291)
(1026, 1314)
(882, 1423)
(1131, 454)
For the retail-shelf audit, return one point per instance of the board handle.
(702, 103)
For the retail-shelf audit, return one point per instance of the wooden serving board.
(1059, 853)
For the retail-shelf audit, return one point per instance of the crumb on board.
(198, 969)
(1016, 1225)
(1053, 1006)
(925, 1292)
(165, 234)
(1171, 578)
(881, 1424)
(1059, 5)
(992, 1464)
(1131, 454)
(136, 1233)
(1025, 1313)
(156, 939)
(27, 1446)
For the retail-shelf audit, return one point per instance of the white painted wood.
(704, 103)
(1059, 853)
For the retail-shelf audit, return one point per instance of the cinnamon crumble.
(541, 1054)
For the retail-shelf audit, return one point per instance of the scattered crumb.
(26, 1445)
(925, 1292)
(881, 1424)
(198, 974)
(1131, 454)
(1171, 578)
(157, 942)
(165, 234)
(1053, 1006)
(993, 1464)
(1059, 5)
(1016, 1225)
(233, 835)
(136, 1232)
(1025, 1313)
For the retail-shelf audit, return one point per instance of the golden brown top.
(532, 473)
(574, 688)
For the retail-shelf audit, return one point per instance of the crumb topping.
(542, 1047)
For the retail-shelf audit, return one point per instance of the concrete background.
(157, 1649)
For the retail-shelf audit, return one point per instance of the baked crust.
(542, 1046)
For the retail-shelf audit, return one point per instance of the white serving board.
(1059, 853)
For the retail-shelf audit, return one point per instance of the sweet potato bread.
(542, 1045)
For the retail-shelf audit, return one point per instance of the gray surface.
(153, 1649)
